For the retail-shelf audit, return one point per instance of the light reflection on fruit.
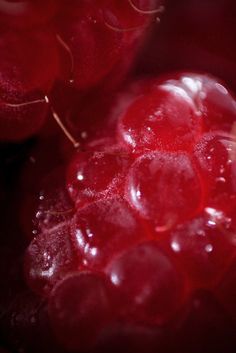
(123, 240)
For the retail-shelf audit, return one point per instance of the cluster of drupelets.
(118, 191)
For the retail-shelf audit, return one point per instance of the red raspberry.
(79, 307)
(96, 175)
(103, 229)
(44, 205)
(148, 223)
(157, 195)
(215, 154)
(48, 258)
(28, 68)
(163, 114)
(204, 248)
(171, 113)
(149, 287)
(129, 338)
(26, 13)
(99, 36)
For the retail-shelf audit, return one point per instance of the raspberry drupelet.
(81, 44)
(151, 220)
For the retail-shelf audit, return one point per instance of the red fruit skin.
(203, 248)
(215, 156)
(79, 308)
(96, 175)
(171, 112)
(104, 229)
(158, 187)
(46, 204)
(98, 35)
(21, 14)
(128, 337)
(50, 254)
(43, 200)
(149, 287)
(18, 122)
(160, 114)
(28, 68)
(90, 42)
(142, 230)
(48, 258)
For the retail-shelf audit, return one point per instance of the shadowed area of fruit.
(118, 230)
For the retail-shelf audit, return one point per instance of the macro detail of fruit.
(151, 213)
(81, 44)
(118, 230)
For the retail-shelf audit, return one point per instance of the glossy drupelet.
(149, 231)
(82, 45)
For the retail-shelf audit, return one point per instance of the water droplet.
(208, 248)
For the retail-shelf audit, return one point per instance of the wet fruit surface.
(155, 222)
(118, 229)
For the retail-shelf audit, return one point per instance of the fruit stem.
(61, 125)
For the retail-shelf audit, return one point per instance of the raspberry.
(129, 338)
(130, 231)
(54, 205)
(139, 227)
(79, 307)
(157, 195)
(172, 112)
(48, 258)
(97, 38)
(162, 115)
(203, 248)
(156, 293)
(28, 68)
(94, 175)
(215, 155)
(103, 229)
(26, 14)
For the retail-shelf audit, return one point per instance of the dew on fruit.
(126, 238)
(175, 246)
(103, 229)
(150, 183)
(216, 217)
(208, 248)
(165, 117)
